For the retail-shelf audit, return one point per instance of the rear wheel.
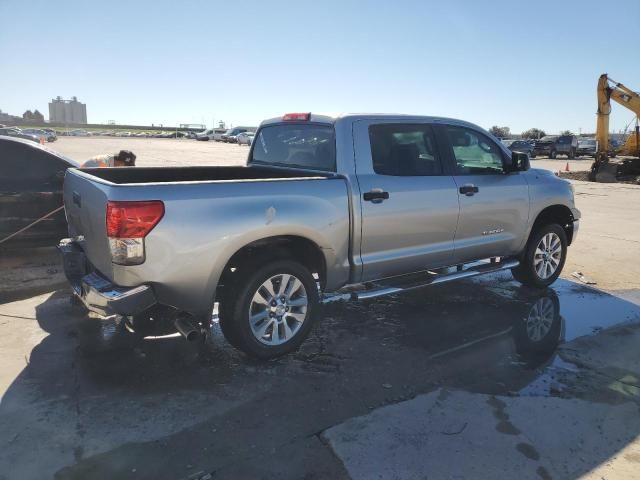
(572, 154)
(271, 310)
(552, 154)
(543, 258)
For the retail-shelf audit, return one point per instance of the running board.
(431, 279)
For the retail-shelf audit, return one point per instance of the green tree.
(500, 132)
(566, 132)
(37, 116)
(533, 133)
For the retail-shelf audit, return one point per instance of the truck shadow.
(97, 402)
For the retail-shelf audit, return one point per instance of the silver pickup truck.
(328, 208)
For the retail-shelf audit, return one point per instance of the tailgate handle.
(77, 199)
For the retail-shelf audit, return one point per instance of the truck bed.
(209, 213)
(139, 175)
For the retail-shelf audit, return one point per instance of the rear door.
(30, 187)
(409, 202)
(494, 205)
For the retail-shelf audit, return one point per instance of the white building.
(67, 111)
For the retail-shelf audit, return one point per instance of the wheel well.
(558, 214)
(259, 252)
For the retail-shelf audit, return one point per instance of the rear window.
(296, 145)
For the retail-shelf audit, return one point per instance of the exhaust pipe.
(187, 328)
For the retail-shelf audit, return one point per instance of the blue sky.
(519, 64)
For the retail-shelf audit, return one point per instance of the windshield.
(587, 142)
(295, 145)
(548, 139)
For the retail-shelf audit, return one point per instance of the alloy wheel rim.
(540, 319)
(278, 309)
(547, 256)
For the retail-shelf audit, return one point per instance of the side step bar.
(431, 279)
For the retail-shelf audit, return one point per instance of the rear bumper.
(97, 293)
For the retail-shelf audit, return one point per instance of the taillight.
(296, 117)
(127, 225)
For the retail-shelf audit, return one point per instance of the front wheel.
(543, 258)
(271, 311)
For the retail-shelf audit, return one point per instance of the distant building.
(5, 117)
(67, 111)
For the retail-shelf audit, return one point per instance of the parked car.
(519, 146)
(17, 133)
(554, 145)
(218, 133)
(205, 136)
(245, 138)
(230, 135)
(31, 178)
(53, 136)
(586, 147)
(79, 133)
(310, 220)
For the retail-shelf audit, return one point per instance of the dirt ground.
(480, 378)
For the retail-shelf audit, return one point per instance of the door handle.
(469, 190)
(375, 196)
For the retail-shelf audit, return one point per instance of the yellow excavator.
(602, 170)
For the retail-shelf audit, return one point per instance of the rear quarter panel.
(206, 223)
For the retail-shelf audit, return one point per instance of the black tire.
(526, 272)
(533, 155)
(553, 154)
(572, 154)
(236, 304)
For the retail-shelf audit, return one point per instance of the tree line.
(533, 133)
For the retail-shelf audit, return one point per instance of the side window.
(11, 168)
(474, 153)
(404, 150)
(21, 163)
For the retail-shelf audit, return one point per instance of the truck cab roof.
(334, 118)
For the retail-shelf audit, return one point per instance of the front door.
(409, 204)
(494, 205)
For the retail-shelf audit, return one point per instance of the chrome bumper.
(97, 293)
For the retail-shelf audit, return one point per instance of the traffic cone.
(566, 167)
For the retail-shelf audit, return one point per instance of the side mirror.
(519, 162)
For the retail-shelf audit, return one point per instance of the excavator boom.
(608, 90)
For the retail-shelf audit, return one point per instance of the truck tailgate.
(85, 203)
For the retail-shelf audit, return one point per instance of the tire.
(249, 296)
(553, 154)
(536, 271)
(538, 331)
(533, 155)
(572, 154)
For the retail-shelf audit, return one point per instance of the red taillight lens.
(133, 219)
(296, 117)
